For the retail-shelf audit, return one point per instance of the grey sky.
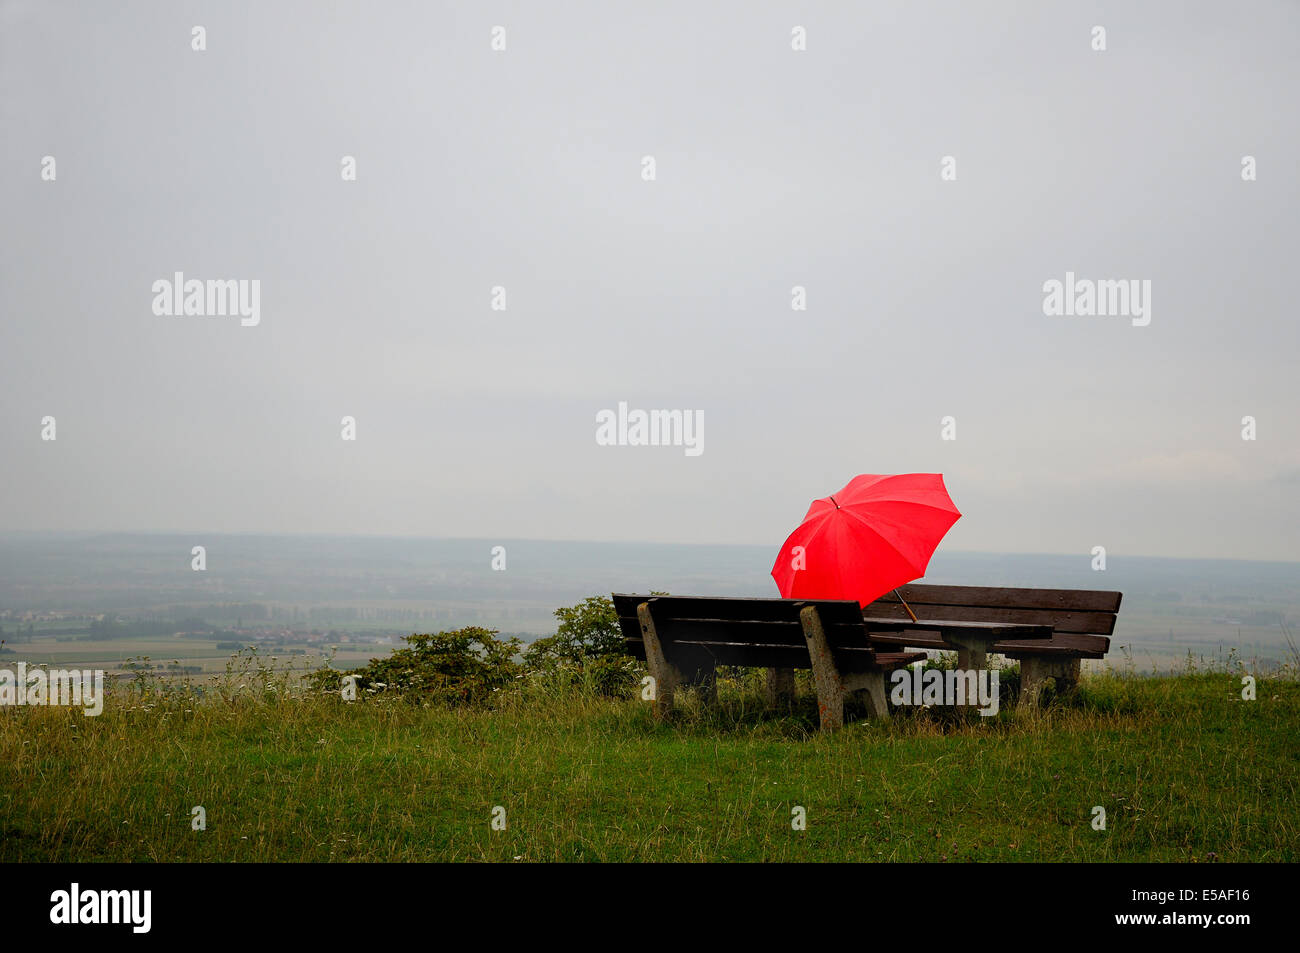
(774, 168)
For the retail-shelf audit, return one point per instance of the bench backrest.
(756, 632)
(768, 632)
(1069, 611)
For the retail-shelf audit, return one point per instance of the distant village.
(30, 625)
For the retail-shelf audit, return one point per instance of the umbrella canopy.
(874, 535)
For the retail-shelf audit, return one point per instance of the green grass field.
(1185, 770)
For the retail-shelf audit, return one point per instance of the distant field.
(1185, 770)
(110, 655)
(1163, 638)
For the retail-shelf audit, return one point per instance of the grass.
(1185, 770)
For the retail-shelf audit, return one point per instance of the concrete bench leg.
(780, 687)
(1031, 681)
(1067, 675)
(1034, 672)
(877, 700)
(873, 683)
(667, 677)
(830, 687)
(972, 654)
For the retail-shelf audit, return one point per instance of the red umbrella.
(874, 535)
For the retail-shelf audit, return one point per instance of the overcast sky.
(774, 168)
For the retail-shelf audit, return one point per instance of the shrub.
(587, 649)
(467, 666)
(588, 630)
(461, 667)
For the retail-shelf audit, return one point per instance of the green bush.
(588, 630)
(587, 649)
(467, 666)
(461, 667)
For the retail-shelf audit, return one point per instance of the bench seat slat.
(749, 655)
(1092, 623)
(955, 627)
(1081, 646)
(898, 659)
(1077, 646)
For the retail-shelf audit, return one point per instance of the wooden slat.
(680, 619)
(781, 656)
(1084, 646)
(768, 656)
(921, 640)
(1001, 597)
(832, 611)
(722, 631)
(761, 633)
(1005, 630)
(1094, 623)
(890, 660)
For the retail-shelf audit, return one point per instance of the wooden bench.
(1081, 622)
(683, 639)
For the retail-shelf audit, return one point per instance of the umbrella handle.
(906, 606)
